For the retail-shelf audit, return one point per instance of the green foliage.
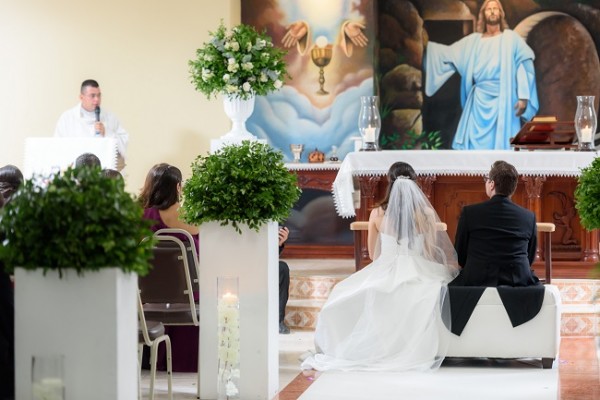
(411, 140)
(587, 196)
(78, 219)
(239, 63)
(240, 184)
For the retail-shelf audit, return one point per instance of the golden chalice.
(321, 56)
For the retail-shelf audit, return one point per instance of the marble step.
(310, 287)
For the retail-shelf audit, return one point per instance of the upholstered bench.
(490, 333)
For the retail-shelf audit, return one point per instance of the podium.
(545, 135)
(47, 155)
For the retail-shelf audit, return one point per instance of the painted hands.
(354, 32)
(296, 32)
(520, 107)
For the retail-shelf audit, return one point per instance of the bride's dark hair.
(396, 170)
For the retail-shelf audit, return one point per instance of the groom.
(496, 240)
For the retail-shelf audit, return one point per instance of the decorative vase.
(585, 122)
(238, 111)
(228, 335)
(369, 122)
(48, 377)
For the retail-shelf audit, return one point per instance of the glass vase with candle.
(228, 325)
(47, 375)
(585, 122)
(369, 122)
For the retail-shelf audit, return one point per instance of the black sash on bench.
(521, 303)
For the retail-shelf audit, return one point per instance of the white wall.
(136, 49)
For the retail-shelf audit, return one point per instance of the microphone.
(97, 112)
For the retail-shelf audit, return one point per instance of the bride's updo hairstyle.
(398, 169)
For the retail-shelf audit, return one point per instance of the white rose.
(249, 47)
(231, 89)
(277, 84)
(246, 87)
(235, 46)
(226, 78)
(263, 77)
(247, 66)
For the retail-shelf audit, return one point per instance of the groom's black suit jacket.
(496, 244)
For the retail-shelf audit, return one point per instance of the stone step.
(310, 287)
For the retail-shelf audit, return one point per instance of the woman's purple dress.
(184, 339)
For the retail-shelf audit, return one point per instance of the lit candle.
(229, 299)
(586, 134)
(369, 134)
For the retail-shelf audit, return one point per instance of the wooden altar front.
(453, 179)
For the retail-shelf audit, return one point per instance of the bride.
(390, 315)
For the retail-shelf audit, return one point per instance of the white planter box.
(252, 257)
(91, 320)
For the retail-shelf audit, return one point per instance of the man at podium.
(87, 119)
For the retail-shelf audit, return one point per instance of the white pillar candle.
(586, 134)
(369, 134)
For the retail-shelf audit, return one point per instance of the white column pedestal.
(91, 320)
(252, 257)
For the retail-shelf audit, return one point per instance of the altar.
(452, 179)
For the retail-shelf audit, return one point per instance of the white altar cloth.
(451, 162)
(46, 155)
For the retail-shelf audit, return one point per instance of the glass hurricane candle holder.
(369, 122)
(47, 377)
(228, 325)
(585, 122)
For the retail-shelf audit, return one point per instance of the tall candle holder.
(228, 325)
(47, 375)
(585, 122)
(369, 122)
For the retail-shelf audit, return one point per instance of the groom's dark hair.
(505, 177)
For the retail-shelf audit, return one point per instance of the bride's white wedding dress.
(386, 316)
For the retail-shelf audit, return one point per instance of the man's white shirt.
(77, 122)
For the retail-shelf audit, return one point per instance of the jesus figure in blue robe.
(497, 87)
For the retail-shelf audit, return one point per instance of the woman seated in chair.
(160, 198)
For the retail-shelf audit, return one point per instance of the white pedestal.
(252, 257)
(91, 320)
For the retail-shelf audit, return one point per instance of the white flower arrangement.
(229, 346)
(239, 63)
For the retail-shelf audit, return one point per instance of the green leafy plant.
(587, 196)
(240, 184)
(75, 220)
(411, 140)
(238, 63)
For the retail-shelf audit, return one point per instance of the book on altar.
(47, 155)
